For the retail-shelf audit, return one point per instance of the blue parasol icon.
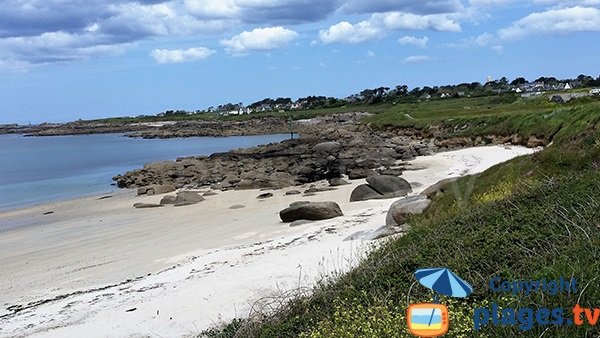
(445, 282)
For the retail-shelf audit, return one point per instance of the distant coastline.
(159, 129)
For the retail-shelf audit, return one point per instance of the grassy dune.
(534, 217)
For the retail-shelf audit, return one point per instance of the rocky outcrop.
(322, 153)
(381, 187)
(312, 211)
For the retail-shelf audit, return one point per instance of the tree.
(519, 81)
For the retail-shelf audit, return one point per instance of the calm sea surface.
(35, 170)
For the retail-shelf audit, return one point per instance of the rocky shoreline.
(151, 130)
(330, 147)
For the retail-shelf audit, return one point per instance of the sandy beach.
(97, 267)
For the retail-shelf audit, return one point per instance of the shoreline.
(199, 264)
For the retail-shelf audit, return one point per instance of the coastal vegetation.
(531, 218)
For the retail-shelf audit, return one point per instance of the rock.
(358, 173)
(401, 209)
(210, 193)
(155, 189)
(440, 186)
(295, 204)
(371, 235)
(293, 192)
(314, 211)
(327, 148)
(535, 142)
(299, 223)
(264, 196)
(405, 152)
(146, 205)
(389, 186)
(314, 190)
(169, 199)
(237, 206)
(337, 182)
(187, 198)
(364, 192)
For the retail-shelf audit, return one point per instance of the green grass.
(533, 217)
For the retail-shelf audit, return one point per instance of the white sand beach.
(100, 268)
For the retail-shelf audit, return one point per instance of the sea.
(37, 170)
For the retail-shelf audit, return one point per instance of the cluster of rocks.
(320, 154)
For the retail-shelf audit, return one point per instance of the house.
(595, 91)
(568, 86)
(445, 95)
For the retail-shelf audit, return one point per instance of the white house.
(568, 86)
(595, 91)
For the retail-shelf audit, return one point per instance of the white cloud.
(181, 55)
(417, 59)
(259, 39)
(567, 3)
(349, 33)
(490, 3)
(371, 54)
(409, 21)
(414, 41)
(561, 21)
(213, 9)
(412, 6)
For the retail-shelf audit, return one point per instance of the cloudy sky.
(68, 59)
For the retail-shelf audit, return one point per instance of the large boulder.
(389, 186)
(364, 192)
(188, 198)
(311, 212)
(401, 209)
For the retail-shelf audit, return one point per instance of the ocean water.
(36, 170)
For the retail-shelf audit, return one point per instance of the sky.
(63, 60)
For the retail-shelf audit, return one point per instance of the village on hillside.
(559, 91)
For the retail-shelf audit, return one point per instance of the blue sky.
(63, 60)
